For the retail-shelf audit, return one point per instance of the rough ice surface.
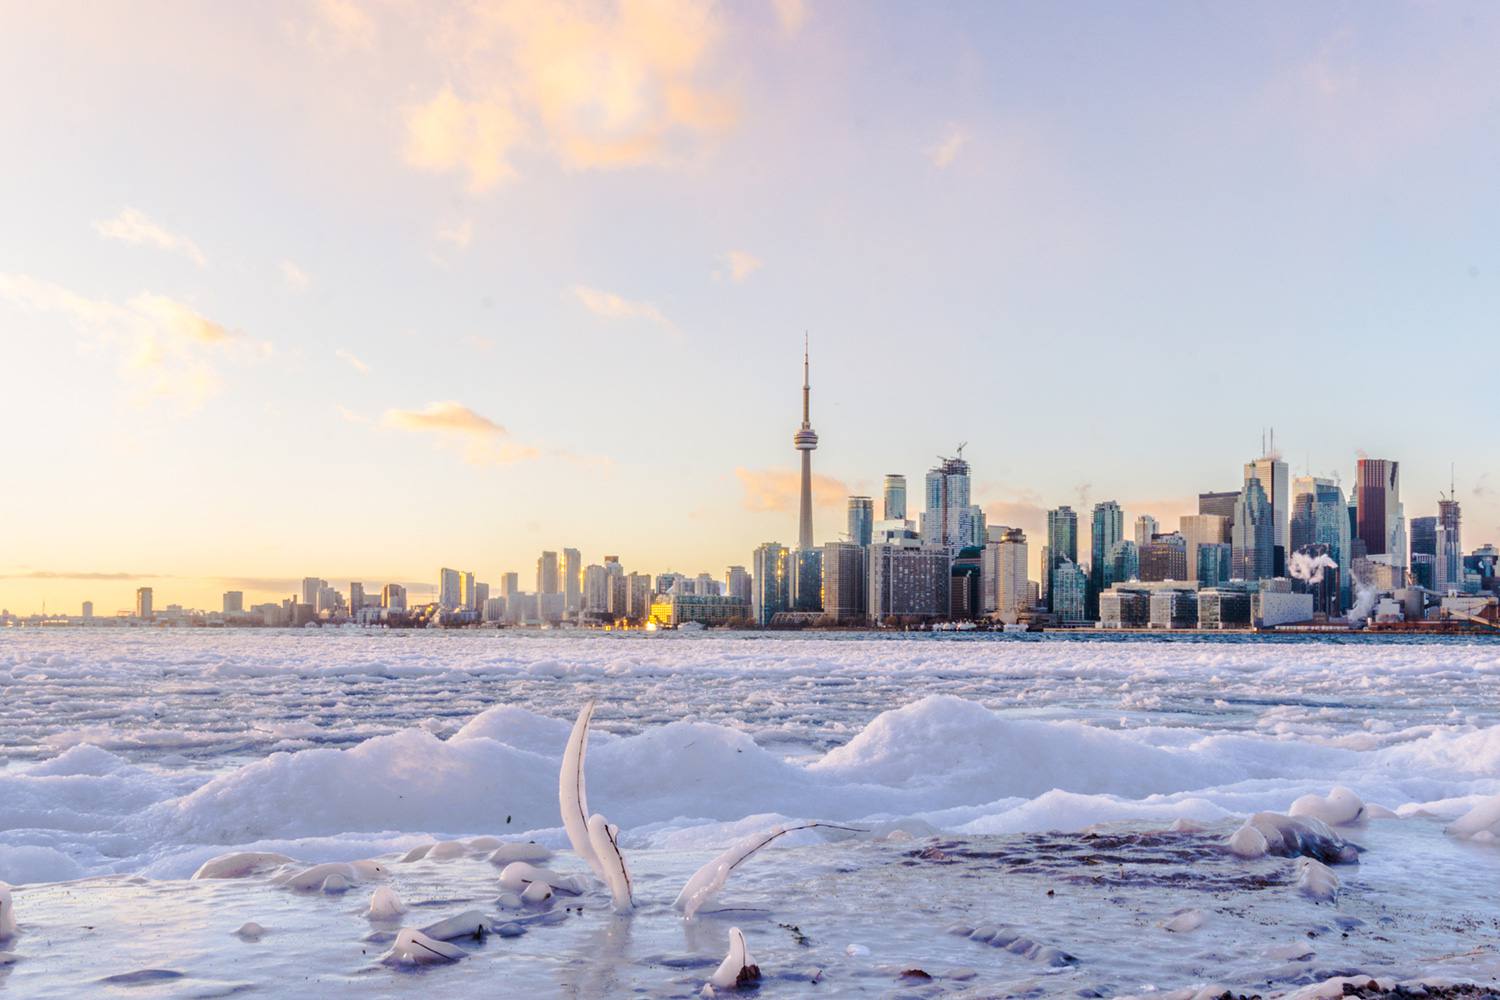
(1067, 798)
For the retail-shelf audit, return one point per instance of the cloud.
(352, 361)
(166, 347)
(339, 25)
(133, 226)
(945, 152)
(781, 489)
(294, 276)
(611, 306)
(596, 86)
(349, 416)
(474, 137)
(47, 574)
(742, 264)
(483, 441)
(790, 14)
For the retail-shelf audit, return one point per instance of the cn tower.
(805, 440)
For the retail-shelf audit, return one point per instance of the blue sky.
(493, 278)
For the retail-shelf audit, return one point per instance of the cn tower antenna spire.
(805, 441)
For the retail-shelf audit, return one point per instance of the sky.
(360, 289)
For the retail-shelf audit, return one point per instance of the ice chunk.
(1183, 921)
(518, 875)
(605, 839)
(335, 883)
(417, 853)
(470, 923)
(385, 904)
(414, 947)
(1316, 880)
(510, 901)
(531, 853)
(250, 931)
(447, 850)
(1290, 837)
(708, 880)
(7, 913)
(1340, 807)
(536, 892)
(239, 864)
(482, 844)
(738, 968)
(572, 793)
(1480, 823)
(317, 876)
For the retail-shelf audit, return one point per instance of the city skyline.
(413, 303)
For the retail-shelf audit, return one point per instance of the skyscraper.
(1253, 536)
(1320, 518)
(1201, 529)
(845, 588)
(510, 586)
(234, 602)
(1448, 571)
(1062, 544)
(546, 573)
(861, 520)
(1219, 504)
(356, 595)
(1012, 592)
(1272, 473)
(1164, 558)
(805, 441)
(310, 587)
(1145, 527)
(393, 597)
(572, 580)
(895, 497)
(1378, 493)
(949, 517)
(450, 589)
(468, 594)
(143, 607)
(769, 589)
(1108, 528)
(737, 584)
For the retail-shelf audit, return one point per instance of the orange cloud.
(611, 306)
(781, 489)
(483, 441)
(132, 226)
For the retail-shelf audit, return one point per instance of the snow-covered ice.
(1069, 798)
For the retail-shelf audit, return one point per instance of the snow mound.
(1481, 823)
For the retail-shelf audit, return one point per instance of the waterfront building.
(1013, 594)
(547, 578)
(771, 589)
(845, 582)
(572, 581)
(908, 582)
(1062, 545)
(234, 603)
(1069, 593)
(805, 575)
(143, 601)
(673, 610)
(492, 611)
(310, 587)
(1174, 607)
(450, 590)
(737, 583)
(1223, 608)
(1125, 606)
(393, 597)
(594, 595)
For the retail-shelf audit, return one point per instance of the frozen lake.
(1074, 795)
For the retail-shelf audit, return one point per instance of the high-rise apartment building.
(1448, 567)
(908, 582)
(468, 591)
(234, 602)
(310, 587)
(393, 597)
(510, 586)
(771, 589)
(143, 597)
(805, 574)
(845, 586)
(595, 591)
(1069, 593)
(356, 595)
(1013, 590)
(1062, 544)
(572, 580)
(706, 585)
(1125, 561)
(895, 497)
(861, 520)
(450, 589)
(1108, 528)
(547, 579)
(737, 583)
(949, 517)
